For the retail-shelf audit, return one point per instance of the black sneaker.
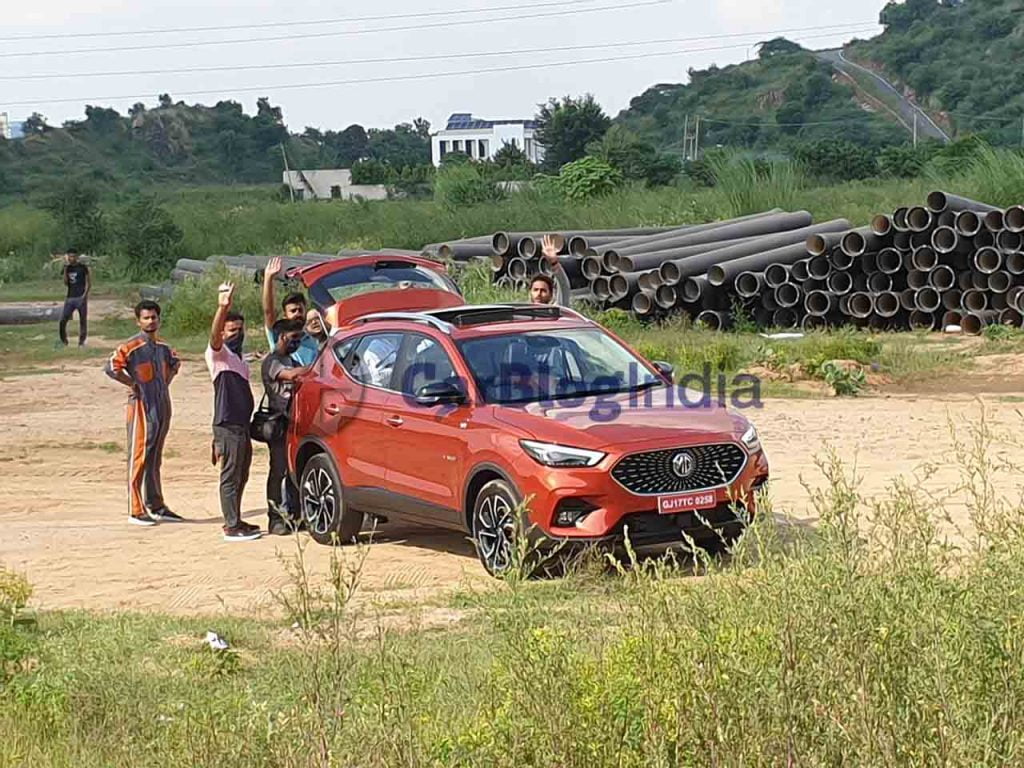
(166, 516)
(279, 528)
(248, 527)
(241, 534)
(147, 522)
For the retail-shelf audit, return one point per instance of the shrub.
(147, 241)
(189, 311)
(748, 185)
(460, 185)
(836, 159)
(587, 178)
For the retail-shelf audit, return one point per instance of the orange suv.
(423, 408)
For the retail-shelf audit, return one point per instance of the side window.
(342, 349)
(425, 362)
(372, 362)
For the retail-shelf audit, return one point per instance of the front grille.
(653, 473)
(651, 528)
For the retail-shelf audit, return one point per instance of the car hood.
(615, 420)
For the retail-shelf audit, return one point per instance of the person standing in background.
(232, 412)
(78, 281)
(294, 307)
(147, 365)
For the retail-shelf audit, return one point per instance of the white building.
(331, 184)
(481, 139)
(5, 127)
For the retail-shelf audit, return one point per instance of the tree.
(422, 127)
(103, 120)
(777, 46)
(566, 127)
(76, 207)
(510, 155)
(35, 125)
(165, 101)
(636, 158)
(146, 239)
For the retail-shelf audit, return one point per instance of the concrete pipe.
(860, 283)
(889, 261)
(623, 284)
(916, 279)
(861, 305)
(922, 321)
(643, 282)
(945, 219)
(938, 201)
(725, 272)
(869, 262)
(798, 271)
(665, 296)
(774, 275)
(692, 288)
(787, 295)
(821, 244)
(1015, 263)
(942, 278)
(713, 320)
(819, 303)
(649, 241)
(643, 302)
(879, 281)
(917, 239)
(840, 283)
(993, 221)
(844, 305)
(908, 299)
(987, 260)
(919, 219)
(610, 261)
(979, 281)
(997, 301)
(1015, 297)
(879, 323)
(818, 268)
(946, 240)
(1011, 317)
(591, 267)
(498, 263)
(951, 299)
(967, 223)
(974, 301)
(518, 269)
(652, 259)
(881, 225)
(924, 259)
(762, 317)
(748, 284)
(840, 260)
(768, 301)
(858, 241)
(950, 318)
(784, 318)
(964, 281)
(974, 323)
(1014, 218)
(899, 220)
(812, 323)
(887, 303)
(1000, 282)
(813, 284)
(1008, 241)
(601, 289)
(928, 300)
(901, 241)
(527, 247)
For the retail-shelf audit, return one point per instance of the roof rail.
(483, 312)
(410, 317)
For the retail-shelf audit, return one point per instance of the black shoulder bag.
(267, 426)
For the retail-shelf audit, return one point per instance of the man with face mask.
(232, 410)
(279, 372)
(147, 365)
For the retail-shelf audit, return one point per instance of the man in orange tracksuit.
(148, 365)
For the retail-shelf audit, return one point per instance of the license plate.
(686, 502)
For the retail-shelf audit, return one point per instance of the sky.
(45, 66)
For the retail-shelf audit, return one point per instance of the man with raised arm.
(232, 411)
(294, 307)
(147, 365)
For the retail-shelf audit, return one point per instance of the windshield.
(382, 276)
(549, 365)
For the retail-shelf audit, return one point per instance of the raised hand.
(226, 294)
(549, 249)
(273, 269)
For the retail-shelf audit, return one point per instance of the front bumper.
(616, 512)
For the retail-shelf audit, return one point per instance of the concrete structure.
(5, 127)
(481, 139)
(331, 184)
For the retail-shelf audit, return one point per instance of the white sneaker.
(145, 522)
(241, 534)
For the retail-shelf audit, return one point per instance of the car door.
(427, 444)
(354, 408)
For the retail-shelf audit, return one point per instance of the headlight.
(751, 440)
(552, 455)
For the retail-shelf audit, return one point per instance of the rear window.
(382, 276)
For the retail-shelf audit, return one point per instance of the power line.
(838, 29)
(372, 80)
(279, 24)
(336, 33)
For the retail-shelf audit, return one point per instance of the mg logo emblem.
(683, 464)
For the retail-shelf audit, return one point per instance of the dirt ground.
(62, 474)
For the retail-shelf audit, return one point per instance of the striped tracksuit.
(150, 363)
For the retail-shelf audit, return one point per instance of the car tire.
(325, 514)
(495, 528)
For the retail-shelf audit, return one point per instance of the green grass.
(23, 347)
(53, 290)
(866, 640)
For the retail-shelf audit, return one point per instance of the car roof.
(471, 320)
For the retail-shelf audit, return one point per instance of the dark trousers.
(148, 423)
(233, 449)
(279, 484)
(80, 305)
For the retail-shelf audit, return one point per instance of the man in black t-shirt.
(76, 278)
(279, 371)
(232, 411)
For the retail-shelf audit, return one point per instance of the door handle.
(332, 409)
(395, 421)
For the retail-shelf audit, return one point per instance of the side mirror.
(665, 369)
(440, 393)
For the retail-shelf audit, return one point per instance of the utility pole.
(686, 137)
(696, 138)
(288, 174)
(915, 128)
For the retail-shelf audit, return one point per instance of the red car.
(426, 409)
